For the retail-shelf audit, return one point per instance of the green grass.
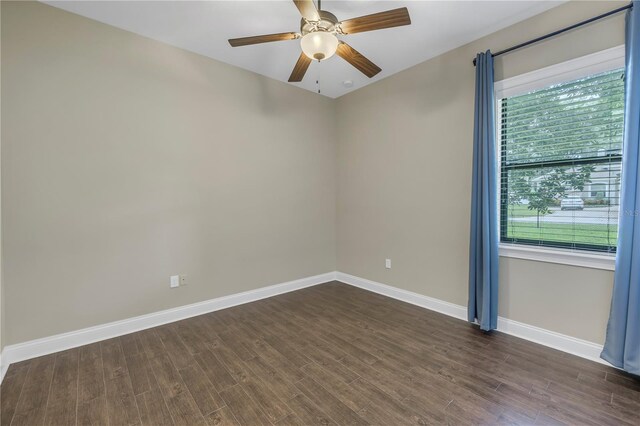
(519, 210)
(567, 233)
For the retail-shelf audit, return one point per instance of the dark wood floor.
(330, 354)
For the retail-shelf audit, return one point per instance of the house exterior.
(603, 187)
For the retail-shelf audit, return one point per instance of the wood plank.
(122, 408)
(121, 402)
(545, 420)
(277, 361)
(290, 420)
(600, 413)
(142, 379)
(230, 359)
(215, 371)
(291, 354)
(335, 384)
(238, 343)
(276, 380)
(93, 412)
(606, 386)
(384, 410)
(550, 410)
(180, 402)
(203, 392)
(176, 350)
(151, 343)
(222, 417)
(193, 335)
(90, 375)
(153, 410)
(308, 412)
(465, 405)
(35, 392)
(483, 386)
(63, 396)
(10, 391)
(17, 367)
(92, 401)
(350, 349)
(329, 403)
(114, 364)
(266, 398)
(244, 409)
(130, 345)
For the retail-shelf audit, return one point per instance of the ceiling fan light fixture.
(319, 45)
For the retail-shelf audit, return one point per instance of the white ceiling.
(204, 27)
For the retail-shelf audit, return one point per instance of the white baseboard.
(562, 342)
(3, 368)
(430, 303)
(60, 342)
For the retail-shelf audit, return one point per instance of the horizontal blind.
(561, 160)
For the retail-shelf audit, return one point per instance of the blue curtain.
(622, 346)
(483, 250)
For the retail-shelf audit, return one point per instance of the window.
(599, 190)
(560, 160)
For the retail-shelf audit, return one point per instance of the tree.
(543, 131)
(551, 188)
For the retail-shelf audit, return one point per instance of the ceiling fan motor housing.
(327, 23)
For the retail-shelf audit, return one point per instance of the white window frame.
(605, 60)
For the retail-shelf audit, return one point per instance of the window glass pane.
(574, 120)
(555, 206)
(561, 154)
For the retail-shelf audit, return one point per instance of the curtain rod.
(555, 33)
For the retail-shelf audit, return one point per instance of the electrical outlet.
(174, 281)
(387, 263)
(183, 280)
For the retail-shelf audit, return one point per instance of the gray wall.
(125, 161)
(404, 179)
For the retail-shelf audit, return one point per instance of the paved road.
(590, 215)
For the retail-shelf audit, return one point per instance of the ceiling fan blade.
(244, 41)
(377, 21)
(300, 68)
(307, 9)
(356, 59)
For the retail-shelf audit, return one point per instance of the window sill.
(584, 259)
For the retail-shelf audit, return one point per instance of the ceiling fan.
(319, 32)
